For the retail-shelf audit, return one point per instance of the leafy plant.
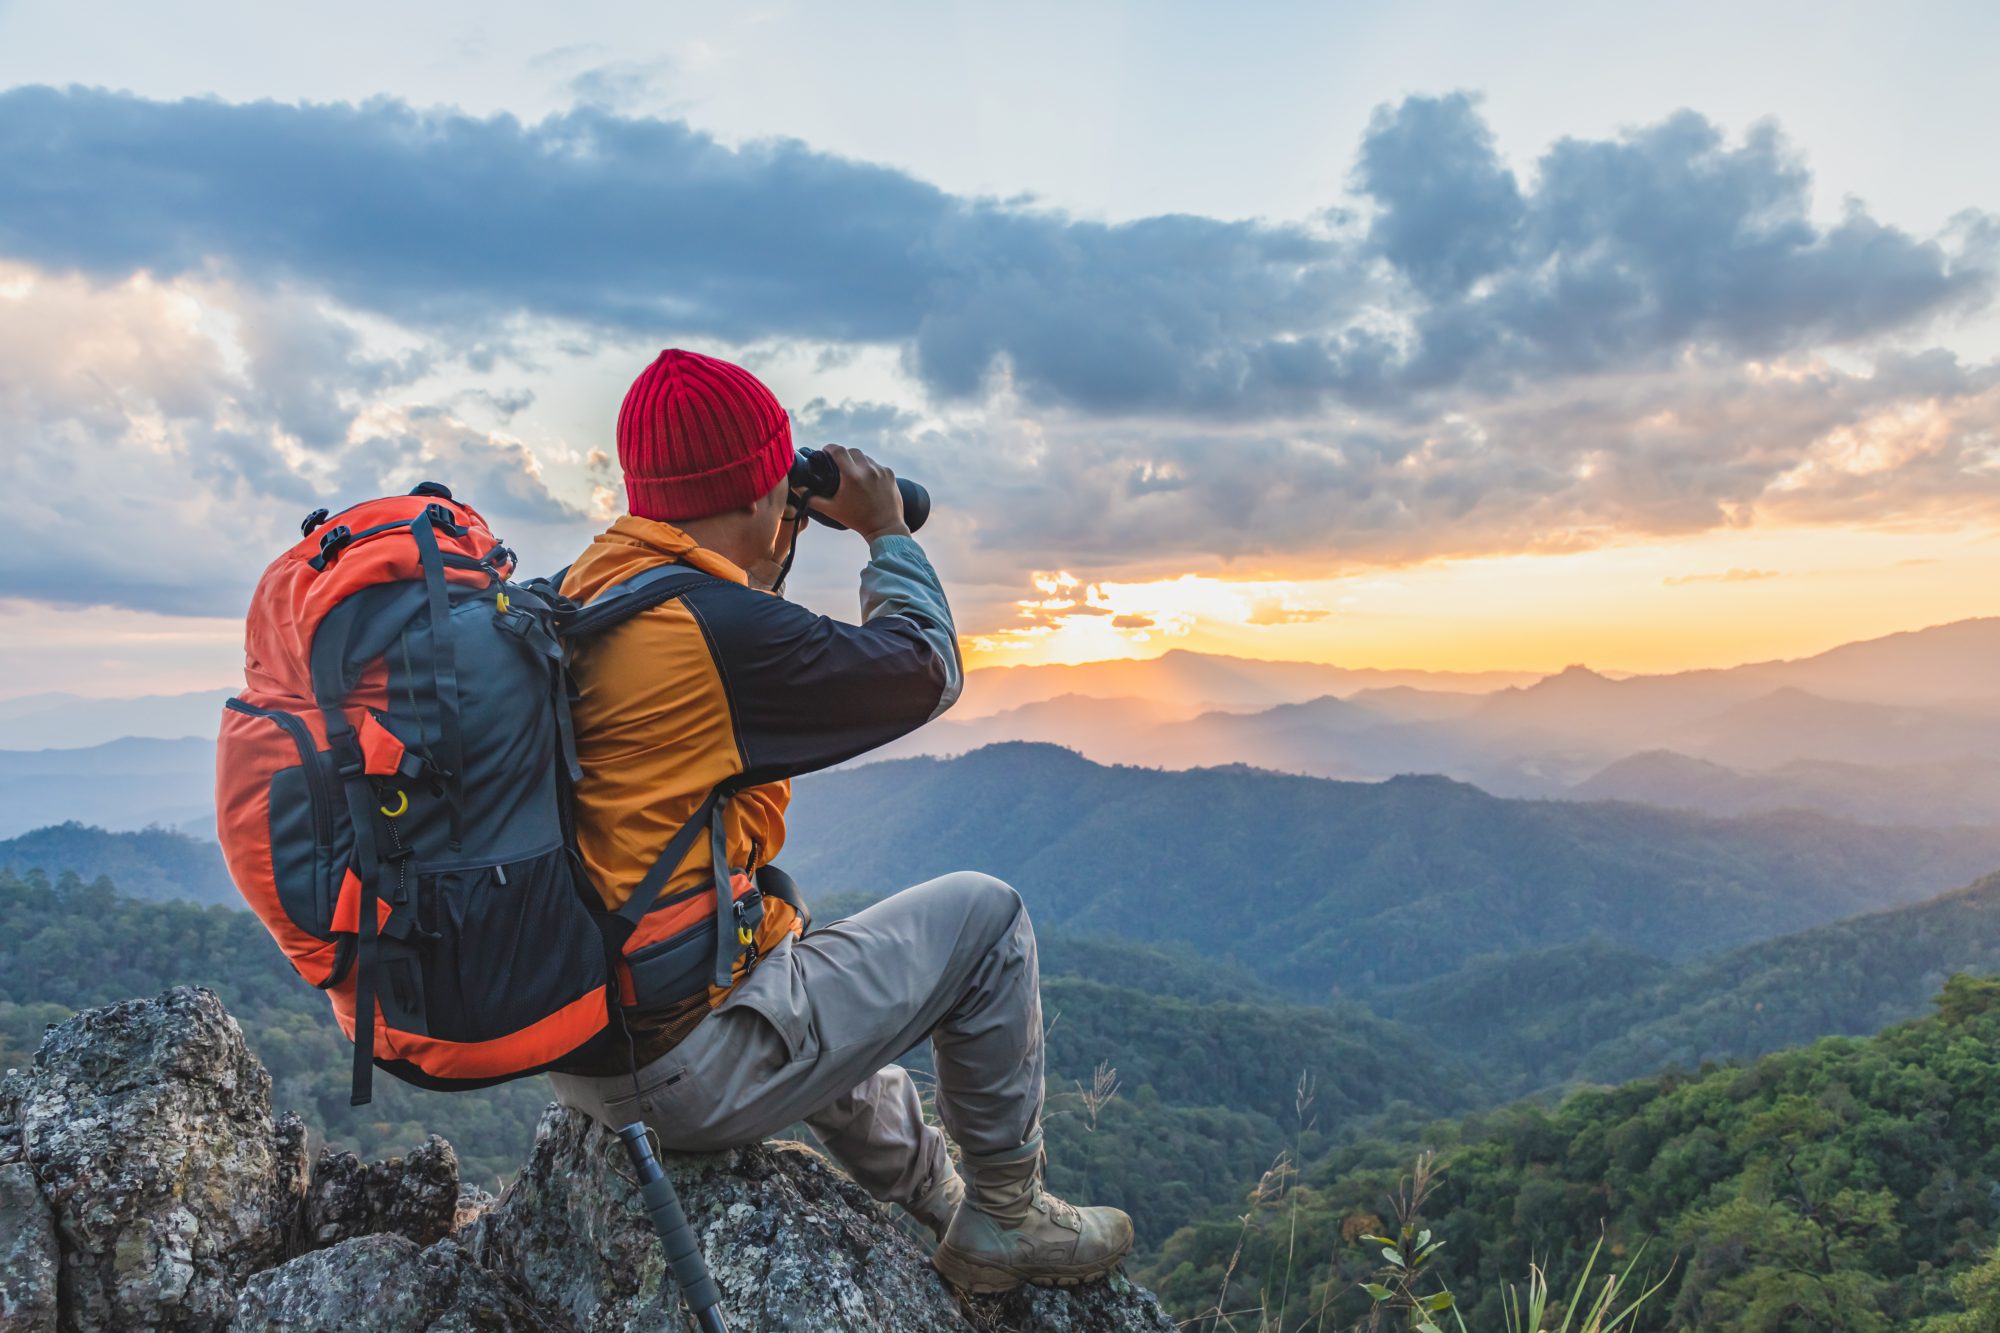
(1531, 1314)
(1408, 1259)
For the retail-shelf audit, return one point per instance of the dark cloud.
(506, 406)
(1712, 444)
(1621, 254)
(1471, 361)
(1447, 212)
(1628, 252)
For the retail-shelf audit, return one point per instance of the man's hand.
(867, 500)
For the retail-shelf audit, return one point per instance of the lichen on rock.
(29, 1259)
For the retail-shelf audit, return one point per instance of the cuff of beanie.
(739, 482)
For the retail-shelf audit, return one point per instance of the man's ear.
(774, 499)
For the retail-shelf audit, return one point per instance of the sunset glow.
(1715, 600)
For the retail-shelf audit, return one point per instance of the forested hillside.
(1177, 1076)
(1205, 1076)
(1316, 886)
(1599, 1013)
(1842, 1186)
(151, 863)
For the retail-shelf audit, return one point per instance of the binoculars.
(816, 474)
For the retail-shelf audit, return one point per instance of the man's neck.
(734, 537)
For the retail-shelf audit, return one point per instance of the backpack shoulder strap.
(646, 895)
(642, 592)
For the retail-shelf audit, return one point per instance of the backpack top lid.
(341, 556)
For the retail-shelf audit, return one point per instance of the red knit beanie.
(697, 436)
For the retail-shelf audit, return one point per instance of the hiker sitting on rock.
(691, 719)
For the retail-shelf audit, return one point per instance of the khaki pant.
(810, 1033)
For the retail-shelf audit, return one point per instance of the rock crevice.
(146, 1182)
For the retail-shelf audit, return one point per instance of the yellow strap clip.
(402, 805)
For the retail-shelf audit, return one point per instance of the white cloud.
(163, 438)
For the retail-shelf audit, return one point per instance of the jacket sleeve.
(806, 691)
(899, 581)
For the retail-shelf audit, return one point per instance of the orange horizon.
(1710, 601)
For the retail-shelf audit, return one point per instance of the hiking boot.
(939, 1202)
(1010, 1230)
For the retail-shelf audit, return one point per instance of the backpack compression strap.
(368, 862)
(444, 665)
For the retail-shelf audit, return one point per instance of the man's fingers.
(854, 463)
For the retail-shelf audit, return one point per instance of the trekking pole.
(684, 1259)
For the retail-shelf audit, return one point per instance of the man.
(730, 689)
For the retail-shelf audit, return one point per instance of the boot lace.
(1060, 1210)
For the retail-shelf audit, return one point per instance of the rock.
(414, 1196)
(29, 1260)
(1115, 1306)
(386, 1284)
(145, 1184)
(148, 1127)
(791, 1242)
(11, 1084)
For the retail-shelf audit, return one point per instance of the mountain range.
(1943, 665)
(1318, 886)
(1897, 730)
(1190, 682)
(1919, 698)
(1948, 792)
(71, 721)
(127, 783)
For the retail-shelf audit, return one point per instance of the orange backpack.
(393, 794)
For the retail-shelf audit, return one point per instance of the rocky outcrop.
(146, 1183)
(414, 1196)
(793, 1244)
(29, 1259)
(388, 1283)
(147, 1128)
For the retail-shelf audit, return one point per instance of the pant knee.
(993, 904)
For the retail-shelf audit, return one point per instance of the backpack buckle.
(311, 521)
(331, 545)
(442, 520)
(749, 911)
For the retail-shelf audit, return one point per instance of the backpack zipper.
(295, 727)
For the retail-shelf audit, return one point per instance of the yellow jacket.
(730, 687)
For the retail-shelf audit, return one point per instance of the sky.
(1414, 335)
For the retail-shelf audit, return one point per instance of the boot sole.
(984, 1279)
